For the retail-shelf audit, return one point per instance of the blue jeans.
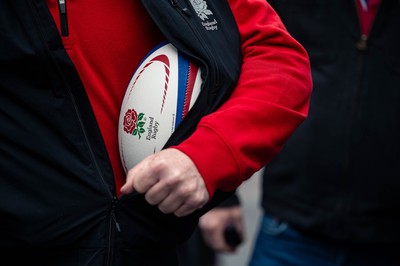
(279, 244)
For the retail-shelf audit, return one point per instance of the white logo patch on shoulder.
(205, 14)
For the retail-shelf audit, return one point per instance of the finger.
(190, 205)
(127, 188)
(140, 178)
(157, 193)
(184, 196)
(216, 241)
(170, 204)
(184, 210)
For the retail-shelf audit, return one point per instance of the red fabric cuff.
(213, 158)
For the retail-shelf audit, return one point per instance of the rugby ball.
(159, 95)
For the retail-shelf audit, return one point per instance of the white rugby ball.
(160, 93)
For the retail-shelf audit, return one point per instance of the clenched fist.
(170, 180)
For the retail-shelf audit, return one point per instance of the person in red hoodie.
(65, 66)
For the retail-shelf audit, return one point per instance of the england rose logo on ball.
(133, 123)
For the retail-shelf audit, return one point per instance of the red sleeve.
(270, 101)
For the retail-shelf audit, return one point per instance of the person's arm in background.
(222, 228)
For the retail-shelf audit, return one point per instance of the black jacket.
(339, 175)
(58, 203)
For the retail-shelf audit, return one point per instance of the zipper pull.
(116, 222)
(62, 6)
(362, 43)
(114, 217)
(185, 10)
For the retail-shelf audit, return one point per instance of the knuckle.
(171, 182)
(158, 164)
(195, 202)
(189, 188)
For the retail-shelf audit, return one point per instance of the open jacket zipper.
(176, 4)
(113, 223)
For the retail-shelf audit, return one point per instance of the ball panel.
(160, 93)
(188, 72)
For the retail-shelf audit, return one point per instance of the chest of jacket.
(48, 126)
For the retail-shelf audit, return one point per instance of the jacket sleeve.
(270, 101)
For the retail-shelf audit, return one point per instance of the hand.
(170, 180)
(214, 222)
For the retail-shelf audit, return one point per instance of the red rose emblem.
(130, 120)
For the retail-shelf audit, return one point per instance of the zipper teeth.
(175, 3)
(84, 132)
(62, 6)
(113, 219)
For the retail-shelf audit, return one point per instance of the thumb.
(127, 188)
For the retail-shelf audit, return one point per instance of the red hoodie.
(108, 39)
(367, 11)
